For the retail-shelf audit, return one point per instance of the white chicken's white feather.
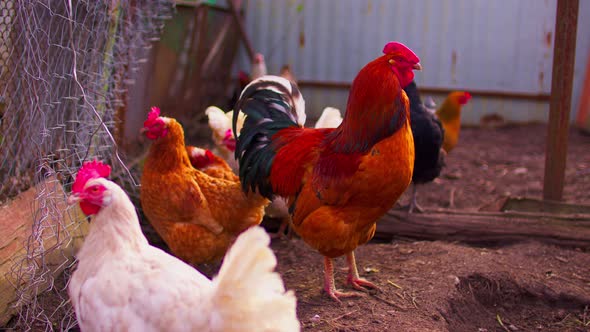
(219, 122)
(124, 284)
(330, 118)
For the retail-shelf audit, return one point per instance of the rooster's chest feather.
(386, 171)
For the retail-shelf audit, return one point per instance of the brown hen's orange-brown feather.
(216, 167)
(197, 214)
(449, 114)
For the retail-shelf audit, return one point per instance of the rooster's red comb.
(90, 170)
(397, 47)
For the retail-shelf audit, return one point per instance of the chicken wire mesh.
(65, 66)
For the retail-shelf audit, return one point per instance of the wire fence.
(65, 66)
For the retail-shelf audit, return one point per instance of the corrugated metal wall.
(503, 45)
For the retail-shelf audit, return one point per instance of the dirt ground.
(443, 286)
(440, 286)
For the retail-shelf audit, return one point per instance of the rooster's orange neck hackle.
(364, 126)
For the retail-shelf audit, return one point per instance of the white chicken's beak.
(73, 199)
(417, 66)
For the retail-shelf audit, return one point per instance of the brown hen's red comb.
(90, 170)
(152, 116)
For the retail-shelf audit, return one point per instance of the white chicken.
(222, 134)
(258, 66)
(124, 284)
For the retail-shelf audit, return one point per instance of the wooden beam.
(540, 97)
(249, 48)
(487, 228)
(193, 4)
(564, 52)
(563, 225)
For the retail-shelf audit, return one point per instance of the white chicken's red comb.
(90, 170)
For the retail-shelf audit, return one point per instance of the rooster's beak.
(417, 66)
(73, 199)
(142, 130)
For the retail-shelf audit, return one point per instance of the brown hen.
(198, 215)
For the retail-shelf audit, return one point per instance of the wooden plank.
(487, 228)
(524, 204)
(541, 97)
(16, 223)
(481, 227)
(583, 119)
(564, 51)
(234, 5)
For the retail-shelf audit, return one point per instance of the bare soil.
(445, 286)
(441, 286)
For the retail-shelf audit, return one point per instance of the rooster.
(122, 283)
(220, 124)
(338, 181)
(449, 114)
(197, 215)
(428, 139)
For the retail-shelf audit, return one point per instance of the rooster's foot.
(361, 284)
(336, 294)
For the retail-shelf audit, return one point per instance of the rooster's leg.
(281, 232)
(285, 225)
(414, 202)
(353, 275)
(329, 286)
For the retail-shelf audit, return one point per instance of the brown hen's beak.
(73, 199)
(417, 66)
(142, 130)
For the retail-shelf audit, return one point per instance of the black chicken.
(428, 139)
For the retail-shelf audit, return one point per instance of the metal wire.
(64, 69)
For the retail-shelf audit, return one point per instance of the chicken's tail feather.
(248, 294)
(270, 103)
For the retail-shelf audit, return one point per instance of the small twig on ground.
(414, 302)
(452, 198)
(395, 305)
(342, 316)
(501, 323)
(394, 284)
(311, 303)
